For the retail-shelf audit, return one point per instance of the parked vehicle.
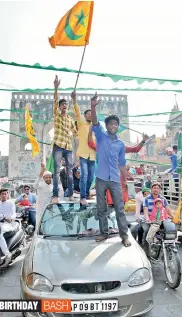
(14, 239)
(165, 249)
(65, 261)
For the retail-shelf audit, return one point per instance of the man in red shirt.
(139, 170)
(129, 149)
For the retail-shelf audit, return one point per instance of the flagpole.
(134, 131)
(80, 66)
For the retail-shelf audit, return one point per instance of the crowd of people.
(101, 164)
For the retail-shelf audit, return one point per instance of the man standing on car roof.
(111, 162)
(85, 153)
(64, 130)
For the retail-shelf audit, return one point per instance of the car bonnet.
(85, 260)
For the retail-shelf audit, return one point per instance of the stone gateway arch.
(21, 163)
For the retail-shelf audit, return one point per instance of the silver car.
(65, 262)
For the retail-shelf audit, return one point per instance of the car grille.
(91, 288)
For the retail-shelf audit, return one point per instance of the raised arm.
(56, 104)
(37, 183)
(138, 147)
(76, 108)
(94, 102)
(96, 128)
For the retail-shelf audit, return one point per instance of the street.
(167, 302)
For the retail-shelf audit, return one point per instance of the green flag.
(179, 155)
(50, 165)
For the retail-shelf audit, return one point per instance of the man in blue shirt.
(172, 153)
(32, 200)
(111, 162)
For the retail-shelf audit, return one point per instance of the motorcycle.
(22, 213)
(14, 239)
(164, 248)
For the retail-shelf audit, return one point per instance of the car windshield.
(69, 219)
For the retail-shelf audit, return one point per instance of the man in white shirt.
(138, 199)
(44, 187)
(7, 211)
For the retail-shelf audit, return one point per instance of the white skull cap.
(47, 173)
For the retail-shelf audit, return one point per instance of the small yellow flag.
(74, 28)
(31, 133)
(178, 213)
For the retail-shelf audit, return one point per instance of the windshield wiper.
(51, 235)
(78, 236)
(75, 235)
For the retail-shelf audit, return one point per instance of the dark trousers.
(32, 217)
(115, 190)
(58, 154)
(87, 168)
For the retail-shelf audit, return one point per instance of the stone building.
(21, 163)
(174, 126)
(3, 166)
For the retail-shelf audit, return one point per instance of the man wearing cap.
(44, 187)
(7, 211)
(64, 130)
(172, 153)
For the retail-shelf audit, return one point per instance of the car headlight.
(39, 283)
(139, 277)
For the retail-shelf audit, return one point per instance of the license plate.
(94, 306)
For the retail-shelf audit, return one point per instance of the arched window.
(24, 145)
(28, 147)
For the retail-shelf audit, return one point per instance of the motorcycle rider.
(32, 200)
(148, 205)
(7, 211)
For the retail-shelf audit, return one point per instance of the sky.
(128, 37)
